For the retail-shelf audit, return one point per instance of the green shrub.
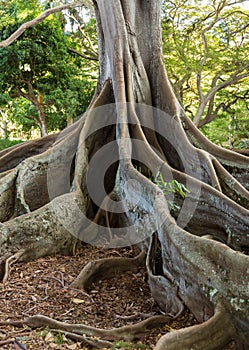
(5, 143)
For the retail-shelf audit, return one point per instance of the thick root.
(219, 329)
(92, 342)
(235, 163)
(107, 268)
(11, 157)
(32, 232)
(128, 333)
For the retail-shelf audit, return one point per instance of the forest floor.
(42, 287)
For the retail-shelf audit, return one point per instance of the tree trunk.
(41, 115)
(4, 124)
(37, 102)
(99, 182)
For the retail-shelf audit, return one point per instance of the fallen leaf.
(78, 301)
(49, 337)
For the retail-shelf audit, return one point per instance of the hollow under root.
(219, 329)
(106, 269)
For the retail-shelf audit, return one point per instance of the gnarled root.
(107, 268)
(219, 329)
(128, 332)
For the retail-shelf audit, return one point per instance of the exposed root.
(11, 157)
(7, 194)
(7, 341)
(32, 232)
(163, 288)
(136, 315)
(227, 157)
(93, 342)
(102, 214)
(230, 186)
(107, 268)
(18, 324)
(10, 261)
(219, 329)
(129, 332)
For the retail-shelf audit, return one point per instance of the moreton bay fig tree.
(95, 182)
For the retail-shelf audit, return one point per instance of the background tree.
(206, 54)
(136, 122)
(40, 69)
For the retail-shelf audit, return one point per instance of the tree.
(105, 179)
(207, 58)
(40, 69)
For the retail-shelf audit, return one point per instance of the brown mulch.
(41, 287)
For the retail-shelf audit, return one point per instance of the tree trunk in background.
(134, 130)
(37, 102)
(4, 124)
(41, 115)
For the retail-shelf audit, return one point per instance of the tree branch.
(232, 80)
(37, 20)
(32, 117)
(93, 58)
